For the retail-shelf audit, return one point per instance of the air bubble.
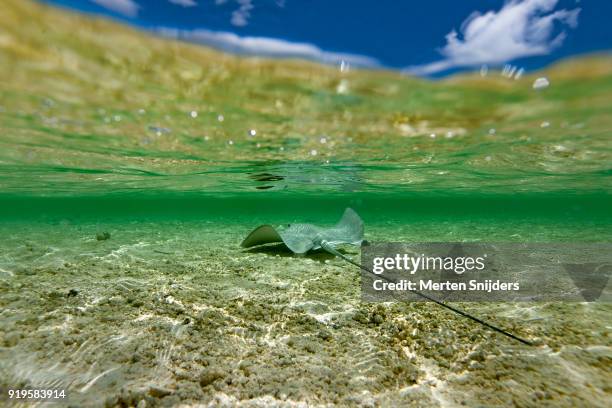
(159, 130)
(560, 148)
(343, 87)
(541, 83)
(344, 66)
(519, 74)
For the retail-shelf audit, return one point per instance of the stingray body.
(301, 238)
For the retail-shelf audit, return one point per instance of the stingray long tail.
(333, 251)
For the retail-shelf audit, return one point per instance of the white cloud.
(240, 17)
(184, 3)
(266, 47)
(521, 28)
(128, 8)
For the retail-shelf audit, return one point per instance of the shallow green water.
(528, 217)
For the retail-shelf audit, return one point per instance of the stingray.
(301, 238)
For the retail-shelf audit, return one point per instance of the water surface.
(179, 151)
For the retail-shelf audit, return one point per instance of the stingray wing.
(299, 238)
(264, 234)
(349, 230)
(350, 227)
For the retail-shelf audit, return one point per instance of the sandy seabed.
(175, 314)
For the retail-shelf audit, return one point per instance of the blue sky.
(433, 37)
